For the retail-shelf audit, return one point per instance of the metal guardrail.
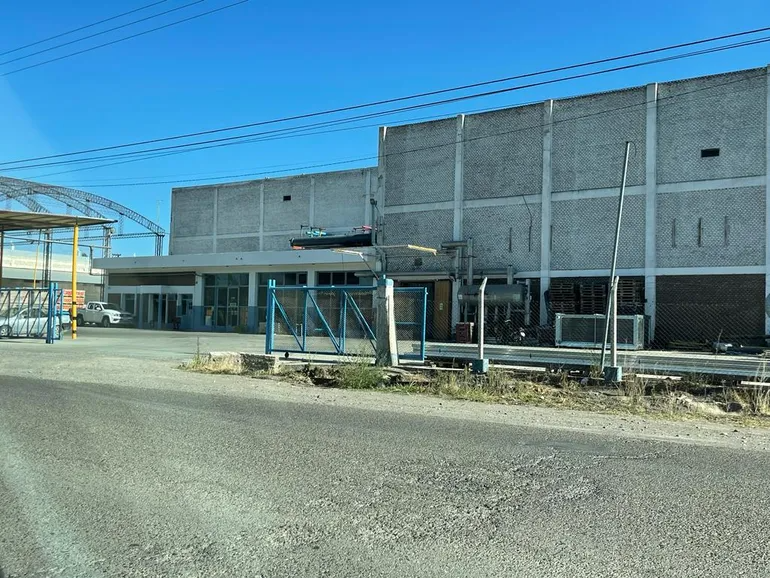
(648, 362)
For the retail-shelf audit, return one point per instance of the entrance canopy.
(29, 221)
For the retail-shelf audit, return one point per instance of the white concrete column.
(312, 202)
(367, 197)
(457, 220)
(545, 210)
(216, 216)
(767, 200)
(252, 302)
(197, 291)
(380, 194)
(457, 230)
(262, 216)
(312, 278)
(456, 283)
(252, 289)
(651, 200)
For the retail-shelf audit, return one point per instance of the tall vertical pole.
(481, 319)
(612, 306)
(614, 339)
(74, 309)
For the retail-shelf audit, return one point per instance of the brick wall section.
(193, 212)
(739, 241)
(278, 242)
(289, 215)
(584, 233)
(184, 246)
(589, 135)
(727, 112)
(340, 199)
(495, 230)
(424, 228)
(238, 245)
(504, 153)
(699, 308)
(419, 163)
(238, 209)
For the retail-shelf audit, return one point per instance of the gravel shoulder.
(131, 371)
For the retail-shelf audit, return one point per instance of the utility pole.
(614, 373)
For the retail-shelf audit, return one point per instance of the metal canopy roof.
(27, 221)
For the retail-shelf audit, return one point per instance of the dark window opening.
(287, 197)
(705, 153)
(337, 278)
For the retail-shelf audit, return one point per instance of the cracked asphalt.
(116, 465)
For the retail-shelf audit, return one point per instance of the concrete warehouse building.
(523, 195)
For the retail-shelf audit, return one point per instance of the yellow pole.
(37, 251)
(74, 308)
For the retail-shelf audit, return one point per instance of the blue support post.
(59, 304)
(270, 321)
(304, 319)
(50, 329)
(343, 313)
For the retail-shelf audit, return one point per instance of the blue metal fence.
(32, 312)
(341, 320)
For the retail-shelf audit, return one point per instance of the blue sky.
(263, 60)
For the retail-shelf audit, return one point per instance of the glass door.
(232, 307)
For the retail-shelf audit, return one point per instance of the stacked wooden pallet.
(563, 297)
(593, 297)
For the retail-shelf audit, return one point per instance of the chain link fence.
(716, 313)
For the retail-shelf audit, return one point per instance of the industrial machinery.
(507, 311)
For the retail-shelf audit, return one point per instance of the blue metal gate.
(341, 320)
(36, 313)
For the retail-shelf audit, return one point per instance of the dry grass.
(225, 364)
(659, 398)
(754, 400)
(210, 363)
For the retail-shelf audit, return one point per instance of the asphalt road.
(155, 472)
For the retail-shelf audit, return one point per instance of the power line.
(397, 110)
(661, 102)
(100, 33)
(152, 156)
(68, 32)
(124, 38)
(397, 99)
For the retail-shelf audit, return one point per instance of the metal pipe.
(480, 319)
(614, 342)
(74, 307)
(615, 251)
(469, 254)
(454, 244)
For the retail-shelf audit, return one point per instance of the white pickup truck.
(104, 314)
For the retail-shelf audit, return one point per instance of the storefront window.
(225, 300)
(293, 278)
(326, 278)
(131, 303)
